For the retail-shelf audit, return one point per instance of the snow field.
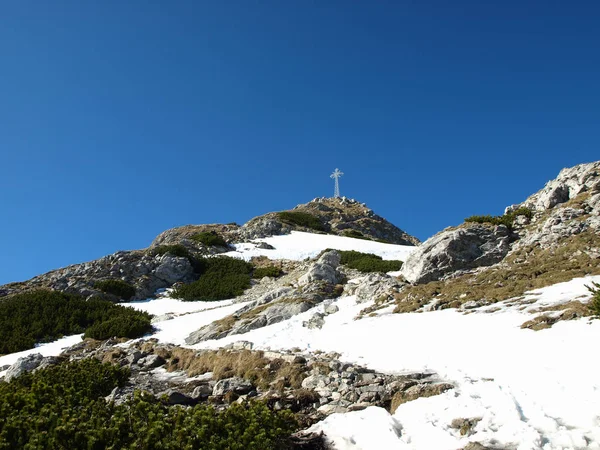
(532, 390)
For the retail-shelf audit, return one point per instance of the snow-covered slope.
(528, 389)
(300, 245)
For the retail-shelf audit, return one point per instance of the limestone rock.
(236, 385)
(467, 247)
(22, 365)
(569, 183)
(325, 269)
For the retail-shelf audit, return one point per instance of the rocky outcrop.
(341, 216)
(145, 272)
(372, 286)
(570, 182)
(325, 269)
(280, 302)
(324, 384)
(29, 363)
(462, 248)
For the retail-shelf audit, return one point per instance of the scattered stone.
(315, 322)
(236, 385)
(173, 397)
(153, 361)
(331, 309)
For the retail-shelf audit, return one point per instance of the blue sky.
(119, 120)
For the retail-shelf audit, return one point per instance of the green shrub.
(506, 219)
(595, 301)
(63, 407)
(124, 325)
(355, 234)
(209, 238)
(301, 219)
(42, 316)
(267, 271)
(221, 278)
(174, 250)
(368, 262)
(116, 287)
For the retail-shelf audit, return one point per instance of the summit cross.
(336, 176)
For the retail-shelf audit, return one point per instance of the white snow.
(48, 349)
(165, 305)
(533, 390)
(300, 245)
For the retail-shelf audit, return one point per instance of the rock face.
(462, 248)
(569, 183)
(25, 364)
(145, 272)
(566, 206)
(341, 216)
(325, 269)
(279, 303)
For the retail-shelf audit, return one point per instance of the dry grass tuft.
(524, 270)
(247, 364)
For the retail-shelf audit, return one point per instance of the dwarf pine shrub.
(64, 407)
(174, 250)
(220, 278)
(301, 219)
(209, 238)
(267, 271)
(119, 288)
(42, 316)
(505, 219)
(368, 262)
(595, 301)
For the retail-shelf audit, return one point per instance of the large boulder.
(569, 183)
(22, 365)
(325, 269)
(462, 248)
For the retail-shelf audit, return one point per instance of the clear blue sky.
(120, 119)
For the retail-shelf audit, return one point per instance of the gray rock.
(236, 385)
(331, 309)
(316, 381)
(315, 322)
(325, 269)
(372, 286)
(22, 365)
(48, 361)
(569, 183)
(173, 269)
(134, 356)
(174, 397)
(202, 392)
(153, 361)
(467, 247)
(265, 246)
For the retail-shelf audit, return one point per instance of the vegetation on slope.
(42, 316)
(301, 219)
(368, 262)
(174, 250)
(210, 238)
(267, 271)
(506, 219)
(595, 301)
(523, 270)
(221, 278)
(115, 287)
(63, 407)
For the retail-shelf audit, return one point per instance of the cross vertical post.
(336, 176)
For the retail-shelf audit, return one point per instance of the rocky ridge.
(567, 206)
(148, 272)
